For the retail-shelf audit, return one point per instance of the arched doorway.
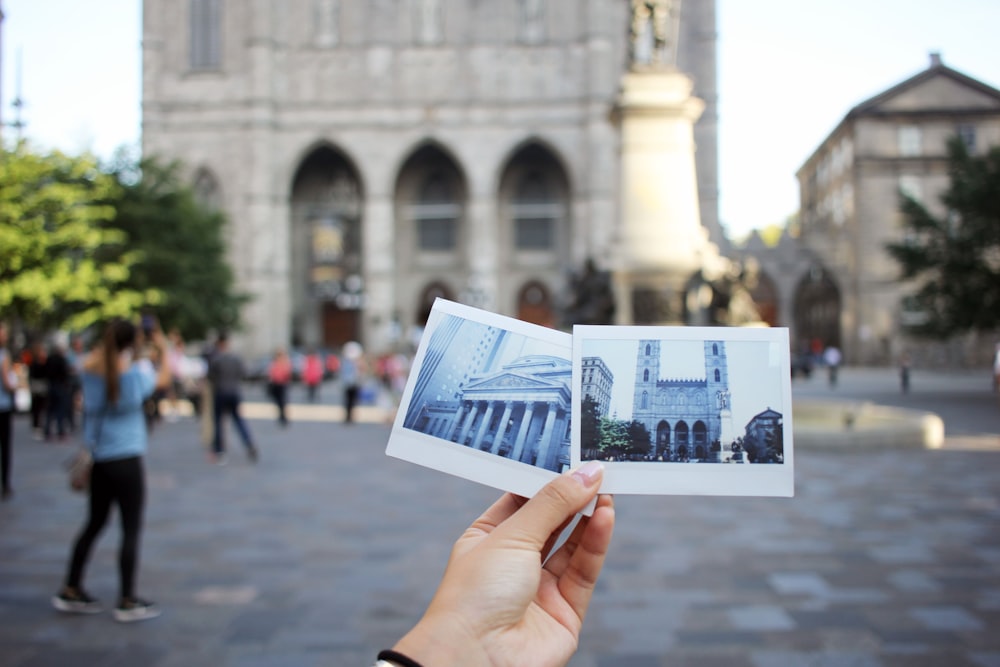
(327, 275)
(534, 304)
(699, 433)
(765, 297)
(663, 439)
(817, 310)
(431, 292)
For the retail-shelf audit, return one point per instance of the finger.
(577, 582)
(557, 501)
(496, 514)
(557, 563)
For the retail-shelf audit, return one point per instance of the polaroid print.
(684, 410)
(489, 399)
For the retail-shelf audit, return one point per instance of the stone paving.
(327, 550)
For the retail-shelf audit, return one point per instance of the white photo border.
(656, 477)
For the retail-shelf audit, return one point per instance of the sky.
(788, 72)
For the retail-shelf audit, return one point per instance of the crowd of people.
(521, 576)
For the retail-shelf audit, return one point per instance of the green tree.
(639, 439)
(182, 247)
(590, 427)
(53, 272)
(614, 438)
(954, 259)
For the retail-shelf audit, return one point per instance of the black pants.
(121, 481)
(5, 446)
(350, 400)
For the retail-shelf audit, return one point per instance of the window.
(645, 400)
(717, 376)
(715, 349)
(909, 141)
(535, 211)
(436, 214)
(206, 34)
(967, 133)
(647, 349)
(645, 375)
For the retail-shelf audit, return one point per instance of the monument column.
(660, 242)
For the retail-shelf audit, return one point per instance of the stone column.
(484, 426)
(469, 420)
(545, 443)
(529, 407)
(508, 407)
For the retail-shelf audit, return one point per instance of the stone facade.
(849, 293)
(373, 156)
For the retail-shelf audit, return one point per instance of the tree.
(590, 427)
(53, 272)
(182, 245)
(639, 439)
(614, 438)
(954, 259)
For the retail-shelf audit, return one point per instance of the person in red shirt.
(279, 374)
(312, 374)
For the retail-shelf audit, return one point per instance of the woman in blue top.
(114, 387)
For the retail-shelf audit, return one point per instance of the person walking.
(312, 374)
(279, 374)
(904, 373)
(59, 375)
(39, 384)
(8, 383)
(351, 371)
(832, 357)
(226, 372)
(114, 388)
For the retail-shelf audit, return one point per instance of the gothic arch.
(699, 433)
(765, 297)
(682, 433)
(533, 210)
(327, 276)
(431, 197)
(817, 307)
(662, 437)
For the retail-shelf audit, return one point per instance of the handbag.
(79, 468)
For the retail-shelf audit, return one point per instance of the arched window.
(206, 34)
(536, 211)
(645, 400)
(681, 431)
(436, 213)
(717, 375)
(715, 349)
(648, 348)
(645, 375)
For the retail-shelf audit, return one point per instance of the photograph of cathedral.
(647, 398)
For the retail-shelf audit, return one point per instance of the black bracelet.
(398, 657)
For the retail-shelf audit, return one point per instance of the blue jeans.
(228, 403)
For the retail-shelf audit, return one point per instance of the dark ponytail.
(118, 336)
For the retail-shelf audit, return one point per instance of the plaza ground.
(327, 550)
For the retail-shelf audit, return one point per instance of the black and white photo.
(489, 398)
(655, 401)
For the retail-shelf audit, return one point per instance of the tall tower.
(717, 386)
(647, 372)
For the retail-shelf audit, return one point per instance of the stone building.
(848, 292)
(372, 156)
(597, 381)
(685, 416)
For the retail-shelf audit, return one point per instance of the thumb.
(549, 509)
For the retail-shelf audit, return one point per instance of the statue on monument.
(652, 32)
(593, 300)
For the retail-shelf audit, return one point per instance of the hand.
(504, 600)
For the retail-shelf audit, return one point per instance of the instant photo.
(489, 398)
(684, 410)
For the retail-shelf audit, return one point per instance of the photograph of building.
(496, 391)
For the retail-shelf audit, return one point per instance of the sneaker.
(75, 601)
(134, 609)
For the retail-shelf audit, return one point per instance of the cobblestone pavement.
(327, 550)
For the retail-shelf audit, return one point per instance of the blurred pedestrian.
(75, 356)
(279, 374)
(227, 372)
(175, 359)
(115, 385)
(904, 372)
(351, 374)
(38, 383)
(57, 374)
(8, 384)
(312, 374)
(832, 358)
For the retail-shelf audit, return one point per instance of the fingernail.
(588, 473)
